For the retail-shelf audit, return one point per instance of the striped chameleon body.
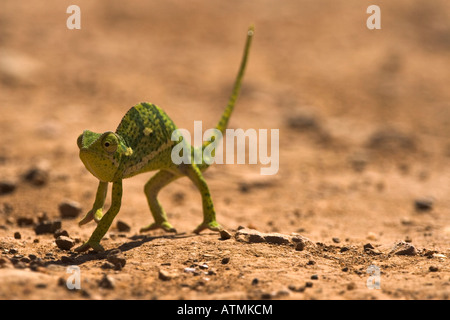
(142, 143)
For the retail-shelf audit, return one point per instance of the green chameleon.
(142, 143)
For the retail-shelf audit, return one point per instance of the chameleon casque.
(142, 143)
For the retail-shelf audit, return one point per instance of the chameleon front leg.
(106, 221)
(96, 212)
(151, 189)
(209, 214)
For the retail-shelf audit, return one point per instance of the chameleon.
(142, 143)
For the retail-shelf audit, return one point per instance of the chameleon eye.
(110, 143)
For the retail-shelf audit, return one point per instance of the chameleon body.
(141, 143)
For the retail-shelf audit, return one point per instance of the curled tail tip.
(251, 30)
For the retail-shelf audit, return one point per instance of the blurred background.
(364, 115)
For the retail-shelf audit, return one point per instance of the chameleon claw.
(88, 245)
(166, 226)
(212, 225)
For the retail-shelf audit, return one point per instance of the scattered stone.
(5, 263)
(336, 240)
(277, 238)
(60, 232)
(224, 234)
(308, 284)
(404, 249)
(351, 286)
(191, 270)
(106, 282)
(32, 256)
(69, 209)
(25, 260)
(13, 251)
(17, 235)
(117, 258)
(370, 249)
(311, 262)
(254, 236)
(122, 226)
(164, 275)
(300, 246)
(44, 227)
(225, 260)
(423, 204)
(249, 235)
(203, 266)
(67, 260)
(433, 269)
(314, 277)
(107, 265)
(344, 249)
(7, 187)
(37, 176)
(255, 281)
(296, 288)
(24, 221)
(64, 242)
(178, 197)
(251, 182)
(372, 236)
(391, 140)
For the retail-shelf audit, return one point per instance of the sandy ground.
(364, 126)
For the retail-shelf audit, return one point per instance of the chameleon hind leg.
(151, 189)
(209, 214)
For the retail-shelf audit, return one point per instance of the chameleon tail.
(222, 125)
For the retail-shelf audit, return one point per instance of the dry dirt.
(364, 126)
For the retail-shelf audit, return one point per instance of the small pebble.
(225, 260)
(67, 260)
(106, 282)
(36, 176)
(433, 269)
(224, 234)
(336, 240)
(164, 275)
(255, 281)
(17, 235)
(69, 209)
(122, 226)
(24, 221)
(47, 227)
(107, 265)
(314, 277)
(117, 258)
(64, 243)
(423, 204)
(7, 187)
(300, 246)
(60, 232)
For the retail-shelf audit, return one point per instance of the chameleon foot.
(96, 246)
(166, 226)
(212, 225)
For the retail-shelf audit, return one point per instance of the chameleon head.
(101, 153)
